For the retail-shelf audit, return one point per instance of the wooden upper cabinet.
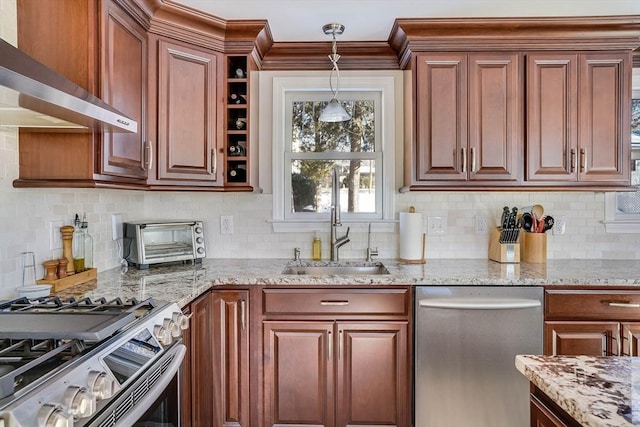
(124, 71)
(99, 46)
(187, 124)
(468, 117)
(577, 113)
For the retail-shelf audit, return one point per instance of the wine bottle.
(241, 123)
(238, 173)
(237, 150)
(237, 98)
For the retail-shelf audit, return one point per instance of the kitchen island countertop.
(594, 391)
(182, 283)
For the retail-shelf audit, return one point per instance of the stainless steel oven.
(86, 363)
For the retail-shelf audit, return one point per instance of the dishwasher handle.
(479, 303)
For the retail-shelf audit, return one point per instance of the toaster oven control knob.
(51, 415)
(163, 335)
(80, 402)
(172, 327)
(101, 385)
(181, 319)
(199, 240)
(199, 230)
(200, 251)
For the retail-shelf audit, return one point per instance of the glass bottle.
(78, 246)
(88, 243)
(316, 249)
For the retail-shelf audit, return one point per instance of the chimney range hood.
(34, 96)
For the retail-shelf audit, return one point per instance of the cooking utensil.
(537, 211)
(548, 223)
(527, 222)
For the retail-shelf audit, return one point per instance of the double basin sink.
(347, 268)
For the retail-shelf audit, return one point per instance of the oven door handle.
(159, 387)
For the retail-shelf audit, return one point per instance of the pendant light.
(334, 112)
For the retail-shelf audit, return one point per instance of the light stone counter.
(182, 283)
(595, 391)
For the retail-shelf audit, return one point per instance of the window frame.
(389, 85)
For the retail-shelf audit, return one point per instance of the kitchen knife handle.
(573, 160)
(583, 159)
(473, 159)
(214, 160)
(464, 160)
(329, 344)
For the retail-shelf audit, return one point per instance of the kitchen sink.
(336, 269)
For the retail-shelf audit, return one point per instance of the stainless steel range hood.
(32, 95)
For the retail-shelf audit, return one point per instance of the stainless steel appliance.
(72, 363)
(156, 242)
(467, 338)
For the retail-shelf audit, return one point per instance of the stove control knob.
(79, 401)
(181, 319)
(101, 385)
(163, 335)
(172, 327)
(51, 415)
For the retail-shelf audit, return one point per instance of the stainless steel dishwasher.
(467, 338)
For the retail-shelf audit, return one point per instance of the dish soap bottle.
(316, 248)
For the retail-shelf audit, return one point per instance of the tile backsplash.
(25, 215)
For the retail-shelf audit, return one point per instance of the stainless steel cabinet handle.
(574, 164)
(473, 159)
(148, 156)
(327, 302)
(623, 304)
(605, 339)
(214, 166)
(583, 159)
(329, 344)
(464, 159)
(339, 345)
(629, 339)
(243, 314)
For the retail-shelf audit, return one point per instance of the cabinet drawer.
(594, 305)
(339, 301)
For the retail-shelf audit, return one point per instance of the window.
(306, 150)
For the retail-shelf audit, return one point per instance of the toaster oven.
(147, 242)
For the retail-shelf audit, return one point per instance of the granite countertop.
(182, 283)
(595, 391)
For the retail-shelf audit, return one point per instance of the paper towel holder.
(422, 259)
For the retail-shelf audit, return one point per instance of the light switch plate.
(116, 226)
(226, 224)
(55, 237)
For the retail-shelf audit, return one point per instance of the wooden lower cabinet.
(230, 330)
(545, 413)
(592, 322)
(330, 361)
(202, 392)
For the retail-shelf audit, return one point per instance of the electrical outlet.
(226, 224)
(559, 224)
(437, 225)
(482, 225)
(116, 226)
(55, 237)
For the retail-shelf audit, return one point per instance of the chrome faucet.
(336, 242)
(370, 252)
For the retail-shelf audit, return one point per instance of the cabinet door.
(230, 330)
(372, 374)
(495, 117)
(630, 335)
(202, 352)
(188, 122)
(552, 117)
(441, 117)
(124, 87)
(604, 120)
(298, 373)
(541, 416)
(581, 338)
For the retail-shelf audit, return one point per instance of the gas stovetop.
(70, 359)
(38, 336)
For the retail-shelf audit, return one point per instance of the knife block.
(502, 252)
(534, 247)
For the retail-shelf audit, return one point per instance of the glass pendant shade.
(334, 112)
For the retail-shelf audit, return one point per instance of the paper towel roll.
(411, 237)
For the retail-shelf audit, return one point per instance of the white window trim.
(389, 84)
(616, 223)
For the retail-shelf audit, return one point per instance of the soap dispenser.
(316, 248)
